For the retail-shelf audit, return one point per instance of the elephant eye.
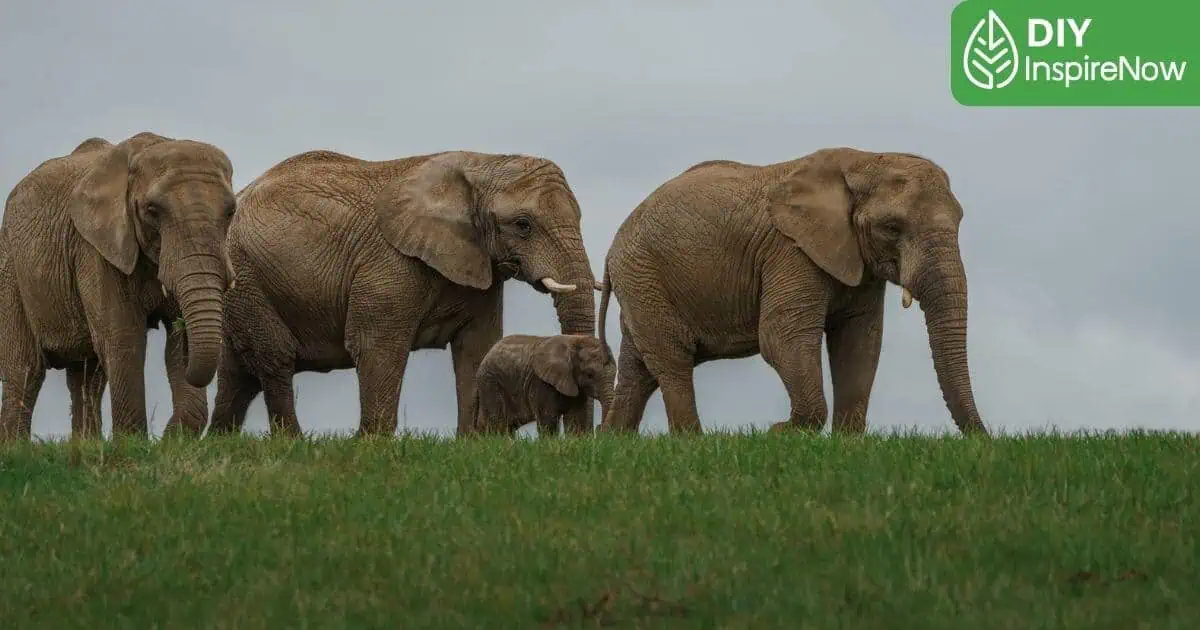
(152, 210)
(524, 225)
(891, 228)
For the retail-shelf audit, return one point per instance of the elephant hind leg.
(85, 383)
(666, 365)
(260, 351)
(634, 387)
(236, 389)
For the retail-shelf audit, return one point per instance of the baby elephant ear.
(553, 362)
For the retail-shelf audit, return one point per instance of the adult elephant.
(345, 263)
(729, 260)
(101, 245)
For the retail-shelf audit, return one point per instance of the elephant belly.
(62, 335)
(436, 336)
(731, 347)
(325, 362)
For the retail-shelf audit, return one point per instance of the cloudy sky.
(1079, 228)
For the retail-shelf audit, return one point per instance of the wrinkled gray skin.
(527, 378)
(345, 263)
(103, 244)
(729, 260)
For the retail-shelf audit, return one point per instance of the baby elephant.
(527, 378)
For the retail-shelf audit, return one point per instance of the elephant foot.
(614, 429)
(185, 425)
(787, 426)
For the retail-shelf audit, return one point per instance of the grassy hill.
(754, 531)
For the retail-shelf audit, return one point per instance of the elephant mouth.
(509, 268)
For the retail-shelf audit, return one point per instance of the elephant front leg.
(380, 379)
(85, 383)
(467, 350)
(189, 405)
(124, 357)
(793, 349)
(854, 346)
(580, 419)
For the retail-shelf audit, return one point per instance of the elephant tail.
(605, 291)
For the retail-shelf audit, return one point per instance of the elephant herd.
(326, 262)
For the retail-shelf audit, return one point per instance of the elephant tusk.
(164, 289)
(906, 298)
(555, 286)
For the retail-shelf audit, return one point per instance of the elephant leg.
(85, 383)
(467, 350)
(275, 364)
(124, 359)
(854, 345)
(380, 379)
(189, 405)
(22, 368)
(634, 387)
(236, 389)
(672, 363)
(16, 404)
(580, 418)
(280, 397)
(795, 299)
(548, 427)
(793, 349)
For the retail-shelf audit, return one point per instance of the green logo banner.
(1075, 52)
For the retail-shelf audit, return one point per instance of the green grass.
(757, 531)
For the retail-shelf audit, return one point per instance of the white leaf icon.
(990, 57)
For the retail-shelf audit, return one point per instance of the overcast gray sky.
(1079, 229)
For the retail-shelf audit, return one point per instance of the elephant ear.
(431, 213)
(812, 207)
(553, 363)
(99, 207)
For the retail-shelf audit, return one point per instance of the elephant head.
(170, 202)
(892, 216)
(576, 364)
(478, 219)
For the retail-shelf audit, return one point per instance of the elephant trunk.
(199, 293)
(941, 289)
(605, 391)
(576, 309)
